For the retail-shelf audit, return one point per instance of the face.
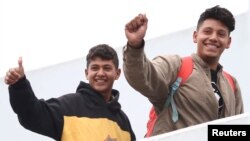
(212, 37)
(101, 75)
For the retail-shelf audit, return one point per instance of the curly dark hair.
(103, 51)
(218, 13)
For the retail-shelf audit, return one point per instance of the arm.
(33, 114)
(150, 78)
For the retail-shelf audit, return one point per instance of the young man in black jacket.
(92, 113)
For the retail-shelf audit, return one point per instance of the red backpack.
(185, 71)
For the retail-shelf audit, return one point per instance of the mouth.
(211, 46)
(100, 81)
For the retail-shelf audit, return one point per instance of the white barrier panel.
(199, 132)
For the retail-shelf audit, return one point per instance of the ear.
(86, 74)
(118, 73)
(195, 37)
(229, 43)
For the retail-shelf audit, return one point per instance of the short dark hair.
(103, 51)
(218, 13)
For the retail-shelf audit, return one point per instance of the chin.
(100, 89)
(212, 56)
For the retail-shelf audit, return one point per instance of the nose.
(213, 37)
(100, 72)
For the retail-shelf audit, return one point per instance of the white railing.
(199, 132)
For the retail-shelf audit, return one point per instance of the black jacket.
(79, 116)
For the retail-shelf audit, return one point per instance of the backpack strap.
(230, 80)
(151, 122)
(183, 74)
(185, 71)
(186, 68)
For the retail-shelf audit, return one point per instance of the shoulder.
(66, 99)
(168, 57)
(169, 61)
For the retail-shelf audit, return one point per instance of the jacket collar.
(85, 89)
(203, 64)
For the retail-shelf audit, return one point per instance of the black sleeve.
(128, 125)
(33, 114)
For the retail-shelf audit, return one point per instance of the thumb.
(20, 62)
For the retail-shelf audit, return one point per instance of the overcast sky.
(47, 32)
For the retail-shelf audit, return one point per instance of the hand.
(135, 30)
(15, 74)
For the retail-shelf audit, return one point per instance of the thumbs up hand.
(15, 74)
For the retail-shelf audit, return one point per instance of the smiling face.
(212, 37)
(101, 75)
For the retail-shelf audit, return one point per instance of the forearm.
(32, 113)
(21, 95)
(140, 72)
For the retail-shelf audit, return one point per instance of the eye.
(107, 68)
(222, 33)
(94, 68)
(207, 31)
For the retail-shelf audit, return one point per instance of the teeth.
(100, 80)
(212, 46)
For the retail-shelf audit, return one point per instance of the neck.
(107, 96)
(213, 66)
(212, 63)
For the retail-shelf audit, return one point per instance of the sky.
(49, 32)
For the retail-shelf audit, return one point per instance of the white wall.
(63, 78)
